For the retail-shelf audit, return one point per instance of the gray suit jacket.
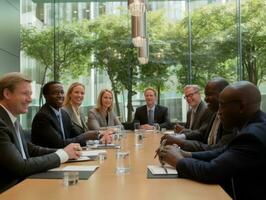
(13, 168)
(80, 128)
(201, 117)
(96, 120)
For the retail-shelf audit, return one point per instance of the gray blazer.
(96, 120)
(81, 128)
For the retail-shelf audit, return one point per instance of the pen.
(157, 151)
(163, 166)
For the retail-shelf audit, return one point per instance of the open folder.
(57, 173)
(157, 171)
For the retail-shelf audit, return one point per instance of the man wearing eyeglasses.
(198, 115)
(239, 166)
(212, 135)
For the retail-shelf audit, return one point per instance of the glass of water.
(122, 162)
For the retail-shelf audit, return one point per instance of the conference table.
(106, 184)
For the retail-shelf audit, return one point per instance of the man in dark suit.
(151, 113)
(212, 135)
(20, 159)
(52, 127)
(240, 166)
(198, 115)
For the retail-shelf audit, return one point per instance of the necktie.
(61, 125)
(150, 117)
(16, 124)
(213, 133)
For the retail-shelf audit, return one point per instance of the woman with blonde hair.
(73, 100)
(102, 115)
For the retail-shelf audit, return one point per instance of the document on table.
(77, 168)
(82, 158)
(92, 153)
(159, 170)
(105, 146)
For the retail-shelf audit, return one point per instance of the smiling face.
(17, 102)
(192, 97)
(150, 98)
(107, 100)
(77, 95)
(55, 96)
(212, 96)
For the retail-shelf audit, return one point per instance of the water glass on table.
(122, 162)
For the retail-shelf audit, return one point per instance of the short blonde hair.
(99, 105)
(152, 89)
(10, 81)
(70, 90)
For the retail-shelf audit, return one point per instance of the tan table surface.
(105, 184)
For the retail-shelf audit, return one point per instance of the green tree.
(114, 53)
(157, 71)
(64, 50)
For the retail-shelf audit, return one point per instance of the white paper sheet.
(76, 168)
(93, 153)
(157, 169)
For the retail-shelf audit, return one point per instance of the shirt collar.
(57, 112)
(152, 108)
(11, 116)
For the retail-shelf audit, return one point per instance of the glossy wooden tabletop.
(105, 184)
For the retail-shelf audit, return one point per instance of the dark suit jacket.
(200, 120)
(46, 130)
(13, 167)
(160, 116)
(80, 128)
(197, 140)
(242, 162)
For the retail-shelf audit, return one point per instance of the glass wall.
(191, 41)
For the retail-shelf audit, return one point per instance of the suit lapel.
(74, 118)
(10, 125)
(55, 120)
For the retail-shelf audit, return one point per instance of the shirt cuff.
(62, 155)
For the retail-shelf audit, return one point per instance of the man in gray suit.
(20, 159)
(198, 115)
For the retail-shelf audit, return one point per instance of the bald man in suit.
(239, 166)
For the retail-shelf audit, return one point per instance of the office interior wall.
(9, 36)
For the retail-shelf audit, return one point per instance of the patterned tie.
(214, 130)
(150, 117)
(61, 125)
(16, 125)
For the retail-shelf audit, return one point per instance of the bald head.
(238, 103)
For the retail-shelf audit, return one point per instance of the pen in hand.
(161, 146)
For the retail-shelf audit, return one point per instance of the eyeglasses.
(190, 95)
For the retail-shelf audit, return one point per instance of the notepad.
(76, 168)
(158, 170)
(92, 153)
